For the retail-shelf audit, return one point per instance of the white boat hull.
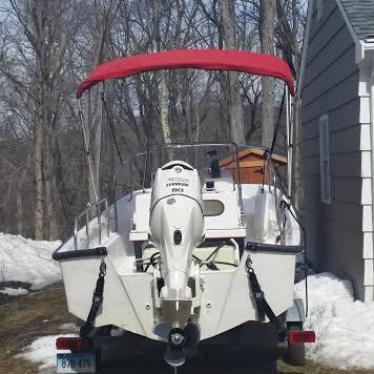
(224, 301)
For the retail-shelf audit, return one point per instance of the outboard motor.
(176, 229)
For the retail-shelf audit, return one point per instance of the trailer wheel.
(296, 352)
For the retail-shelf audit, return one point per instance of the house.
(252, 165)
(336, 90)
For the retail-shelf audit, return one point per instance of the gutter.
(362, 47)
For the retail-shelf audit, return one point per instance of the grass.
(40, 313)
(31, 316)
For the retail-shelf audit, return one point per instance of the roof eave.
(362, 46)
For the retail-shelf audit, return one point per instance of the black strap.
(263, 307)
(97, 300)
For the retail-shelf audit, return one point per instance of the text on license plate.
(76, 363)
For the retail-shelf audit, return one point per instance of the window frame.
(324, 151)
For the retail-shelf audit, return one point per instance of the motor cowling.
(176, 228)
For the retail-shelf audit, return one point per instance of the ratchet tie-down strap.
(97, 300)
(263, 307)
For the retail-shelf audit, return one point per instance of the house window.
(324, 147)
(319, 9)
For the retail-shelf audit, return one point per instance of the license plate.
(76, 363)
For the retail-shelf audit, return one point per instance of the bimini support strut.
(87, 152)
(289, 122)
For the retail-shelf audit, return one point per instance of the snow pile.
(27, 260)
(71, 326)
(14, 291)
(43, 351)
(344, 327)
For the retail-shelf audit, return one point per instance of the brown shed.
(251, 165)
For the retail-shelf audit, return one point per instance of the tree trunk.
(38, 180)
(163, 96)
(164, 108)
(267, 15)
(19, 203)
(232, 84)
(50, 186)
(45, 182)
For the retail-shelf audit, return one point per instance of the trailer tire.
(296, 352)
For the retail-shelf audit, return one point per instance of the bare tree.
(163, 92)
(232, 84)
(267, 27)
(102, 13)
(48, 42)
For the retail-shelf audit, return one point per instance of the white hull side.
(225, 302)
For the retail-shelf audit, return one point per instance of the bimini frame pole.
(87, 153)
(289, 122)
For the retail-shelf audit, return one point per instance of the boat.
(194, 254)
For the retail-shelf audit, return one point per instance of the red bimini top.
(205, 59)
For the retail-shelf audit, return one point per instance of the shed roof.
(253, 153)
(361, 15)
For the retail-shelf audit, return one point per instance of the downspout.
(372, 157)
(365, 51)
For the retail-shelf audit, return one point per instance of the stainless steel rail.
(99, 212)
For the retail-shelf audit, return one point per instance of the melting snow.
(69, 326)
(344, 327)
(14, 291)
(42, 351)
(27, 260)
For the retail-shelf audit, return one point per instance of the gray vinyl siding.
(330, 86)
(361, 16)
